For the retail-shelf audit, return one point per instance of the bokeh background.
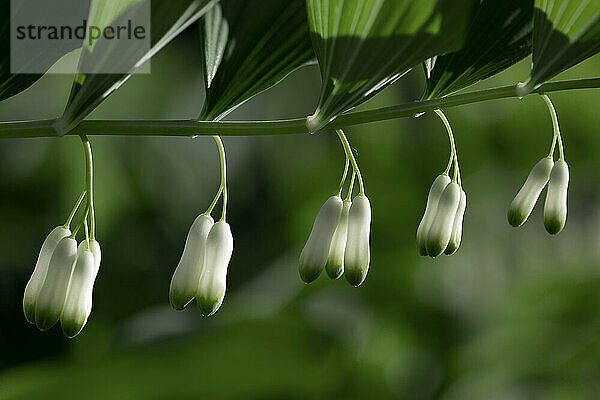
(515, 314)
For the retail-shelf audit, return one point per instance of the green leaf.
(365, 45)
(12, 84)
(565, 33)
(168, 19)
(500, 35)
(248, 47)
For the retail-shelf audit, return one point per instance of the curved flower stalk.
(316, 250)
(335, 260)
(525, 200)
(51, 299)
(78, 302)
(555, 208)
(184, 284)
(213, 282)
(32, 290)
(357, 256)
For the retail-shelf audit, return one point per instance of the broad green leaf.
(168, 19)
(248, 47)
(565, 33)
(499, 35)
(12, 84)
(365, 45)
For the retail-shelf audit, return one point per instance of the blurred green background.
(515, 314)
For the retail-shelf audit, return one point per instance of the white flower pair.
(62, 283)
(556, 175)
(202, 271)
(339, 241)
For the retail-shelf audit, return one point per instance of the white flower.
(335, 260)
(555, 208)
(184, 284)
(357, 255)
(314, 254)
(440, 232)
(213, 281)
(433, 198)
(525, 200)
(32, 290)
(51, 299)
(78, 302)
(457, 226)
(97, 252)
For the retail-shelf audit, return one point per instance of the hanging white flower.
(525, 200)
(78, 303)
(314, 254)
(433, 198)
(335, 261)
(555, 208)
(457, 226)
(357, 255)
(32, 290)
(213, 281)
(51, 300)
(184, 284)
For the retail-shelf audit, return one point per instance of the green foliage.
(246, 52)
(566, 32)
(364, 46)
(168, 19)
(12, 84)
(499, 35)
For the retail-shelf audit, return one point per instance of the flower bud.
(357, 255)
(440, 232)
(78, 303)
(433, 198)
(51, 300)
(32, 290)
(525, 200)
(456, 236)
(555, 208)
(211, 290)
(316, 251)
(184, 284)
(335, 261)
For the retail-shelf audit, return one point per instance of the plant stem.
(556, 128)
(352, 159)
(48, 128)
(74, 210)
(453, 151)
(89, 183)
(223, 187)
(344, 175)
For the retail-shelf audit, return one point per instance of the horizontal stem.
(47, 128)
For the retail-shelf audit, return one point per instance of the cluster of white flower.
(545, 172)
(440, 230)
(62, 282)
(339, 240)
